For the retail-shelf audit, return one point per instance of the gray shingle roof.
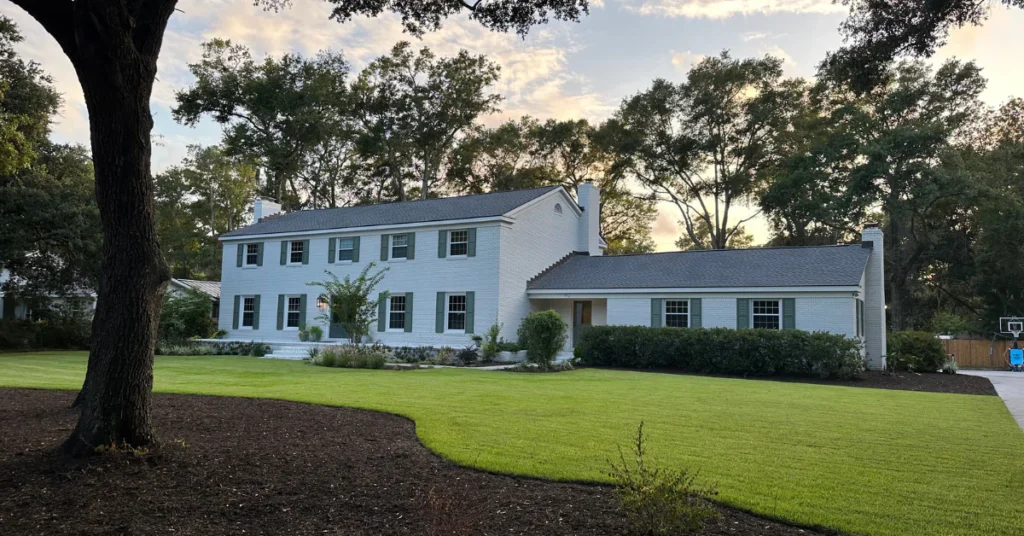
(448, 208)
(210, 288)
(764, 267)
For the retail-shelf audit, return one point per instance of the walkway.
(1010, 386)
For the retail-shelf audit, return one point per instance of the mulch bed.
(240, 466)
(904, 381)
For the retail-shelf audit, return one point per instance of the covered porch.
(576, 310)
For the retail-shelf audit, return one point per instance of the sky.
(560, 70)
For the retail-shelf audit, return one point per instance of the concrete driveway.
(1010, 386)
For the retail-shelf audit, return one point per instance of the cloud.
(684, 61)
(720, 9)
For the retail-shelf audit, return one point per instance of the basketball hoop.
(1011, 325)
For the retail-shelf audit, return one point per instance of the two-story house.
(458, 265)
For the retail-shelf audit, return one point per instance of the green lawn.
(859, 460)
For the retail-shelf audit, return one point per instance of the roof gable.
(399, 213)
(822, 266)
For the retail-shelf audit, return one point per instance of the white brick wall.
(874, 300)
(424, 276)
(539, 238)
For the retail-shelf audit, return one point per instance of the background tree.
(700, 144)
(28, 101)
(114, 48)
(413, 107)
(274, 112)
(741, 239)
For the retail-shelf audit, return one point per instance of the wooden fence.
(979, 353)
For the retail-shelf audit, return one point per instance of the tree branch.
(57, 18)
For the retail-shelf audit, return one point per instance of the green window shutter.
(305, 252)
(302, 310)
(332, 246)
(234, 314)
(384, 243)
(241, 251)
(408, 312)
(280, 311)
(742, 313)
(656, 312)
(471, 246)
(259, 254)
(789, 313)
(256, 312)
(355, 249)
(470, 310)
(442, 244)
(412, 247)
(382, 311)
(284, 252)
(439, 314)
(695, 312)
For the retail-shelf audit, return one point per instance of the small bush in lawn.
(468, 356)
(659, 501)
(544, 335)
(313, 353)
(489, 347)
(259, 349)
(916, 351)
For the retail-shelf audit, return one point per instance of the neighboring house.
(14, 308)
(178, 287)
(457, 265)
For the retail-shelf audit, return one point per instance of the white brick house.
(458, 265)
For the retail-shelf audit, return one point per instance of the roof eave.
(547, 292)
(337, 230)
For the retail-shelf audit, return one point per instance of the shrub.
(412, 354)
(544, 334)
(316, 333)
(508, 346)
(722, 351)
(656, 500)
(313, 353)
(187, 316)
(352, 356)
(917, 351)
(489, 348)
(468, 355)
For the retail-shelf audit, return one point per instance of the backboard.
(1011, 325)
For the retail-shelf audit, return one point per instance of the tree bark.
(114, 47)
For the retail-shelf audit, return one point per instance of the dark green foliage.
(722, 351)
(187, 316)
(917, 351)
(351, 301)
(660, 501)
(508, 346)
(468, 356)
(489, 347)
(543, 334)
(52, 334)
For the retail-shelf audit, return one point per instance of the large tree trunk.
(114, 47)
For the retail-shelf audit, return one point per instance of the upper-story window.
(767, 314)
(346, 249)
(458, 243)
(295, 248)
(399, 246)
(396, 312)
(252, 254)
(677, 313)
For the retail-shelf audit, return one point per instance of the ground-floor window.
(677, 313)
(456, 312)
(396, 312)
(294, 311)
(248, 311)
(767, 314)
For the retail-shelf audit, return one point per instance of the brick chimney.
(263, 208)
(874, 297)
(589, 233)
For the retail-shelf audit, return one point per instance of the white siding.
(539, 238)
(424, 276)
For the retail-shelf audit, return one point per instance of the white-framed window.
(295, 248)
(294, 311)
(252, 254)
(248, 311)
(399, 246)
(346, 249)
(458, 243)
(767, 314)
(860, 317)
(677, 314)
(456, 312)
(396, 312)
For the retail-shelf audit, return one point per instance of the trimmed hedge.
(917, 351)
(722, 351)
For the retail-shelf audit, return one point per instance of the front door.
(580, 318)
(337, 330)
